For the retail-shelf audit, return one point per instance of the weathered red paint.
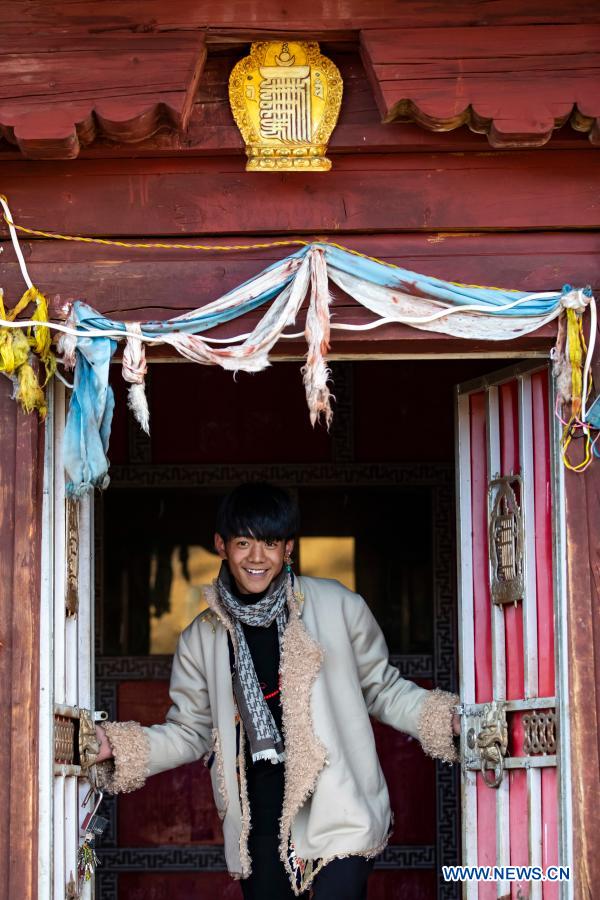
(216, 196)
(481, 599)
(21, 457)
(583, 597)
(486, 799)
(515, 83)
(509, 431)
(155, 284)
(545, 605)
(441, 208)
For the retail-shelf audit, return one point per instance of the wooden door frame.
(441, 666)
(21, 477)
(581, 584)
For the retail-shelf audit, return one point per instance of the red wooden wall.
(21, 455)
(443, 204)
(583, 587)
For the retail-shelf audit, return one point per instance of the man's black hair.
(259, 510)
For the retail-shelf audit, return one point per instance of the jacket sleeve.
(139, 752)
(391, 699)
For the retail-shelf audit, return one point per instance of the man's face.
(253, 564)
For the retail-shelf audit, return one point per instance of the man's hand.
(105, 751)
(455, 723)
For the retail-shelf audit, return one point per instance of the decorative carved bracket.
(515, 83)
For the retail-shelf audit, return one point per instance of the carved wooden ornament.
(285, 98)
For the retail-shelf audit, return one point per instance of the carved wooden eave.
(121, 88)
(59, 94)
(516, 84)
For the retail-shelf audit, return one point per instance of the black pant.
(269, 880)
(341, 879)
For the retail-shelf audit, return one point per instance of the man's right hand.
(105, 751)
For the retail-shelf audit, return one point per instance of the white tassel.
(134, 371)
(138, 404)
(315, 372)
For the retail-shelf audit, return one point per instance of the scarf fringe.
(271, 755)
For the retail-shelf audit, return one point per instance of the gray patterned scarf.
(263, 734)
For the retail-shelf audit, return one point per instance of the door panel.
(66, 689)
(507, 649)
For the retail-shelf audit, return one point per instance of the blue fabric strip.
(87, 429)
(92, 402)
(434, 288)
(89, 318)
(205, 322)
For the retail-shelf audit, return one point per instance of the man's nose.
(257, 551)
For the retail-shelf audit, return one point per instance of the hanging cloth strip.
(475, 313)
(390, 293)
(89, 419)
(17, 348)
(134, 371)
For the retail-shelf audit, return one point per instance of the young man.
(274, 684)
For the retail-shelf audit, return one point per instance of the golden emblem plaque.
(286, 98)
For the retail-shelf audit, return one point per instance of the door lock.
(486, 741)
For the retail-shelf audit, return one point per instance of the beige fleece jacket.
(335, 674)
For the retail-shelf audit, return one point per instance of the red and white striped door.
(515, 798)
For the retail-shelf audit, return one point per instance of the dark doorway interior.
(376, 500)
(362, 535)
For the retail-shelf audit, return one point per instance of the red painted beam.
(513, 190)
(144, 284)
(87, 16)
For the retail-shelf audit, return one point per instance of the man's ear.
(220, 546)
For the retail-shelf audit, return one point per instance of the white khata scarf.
(263, 734)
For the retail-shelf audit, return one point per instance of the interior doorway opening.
(376, 495)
